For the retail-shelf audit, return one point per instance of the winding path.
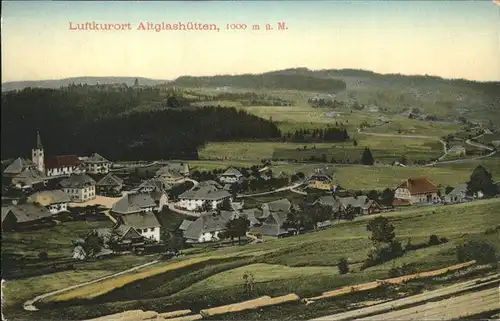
(281, 189)
(30, 304)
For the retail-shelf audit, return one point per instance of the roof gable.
(418, 185)
(18, 165)
(96, 158)
(231, 171)
(29, 212)
(110, 180)
(77, 181)
(140, 220)
(133, 202)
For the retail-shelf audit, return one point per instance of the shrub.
(434, 240)
(343, 266)
(444, 240)
(383, 253)
(404, 269)
(43, 255)
(481, 251)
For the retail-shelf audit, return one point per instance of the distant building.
(96, 164)
(456, 150)
(206, 228)
(55, 201)
(169, 176)
(457, 195)
(80, 187)
(26, 215)
(230, 176)
(180, 167)
(132, 203)
(109, 185)
(195, 198)
(321, 179)
(415, 190)
(145, 223)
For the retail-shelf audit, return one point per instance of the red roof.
(418, 185)
(400, 202)
(61, 161)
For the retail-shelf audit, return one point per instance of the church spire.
(38, 141)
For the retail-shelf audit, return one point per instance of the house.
(281, 205)
(79, 253)
(9, 220)
(206, 228)
(96, 164)
(160, 198)
(330, 201)
(180, 167)
(55, 201)
(109, 185)
(80, 187)
(252, 215)
(362, 204)
(195, 198)
(273, 224)
(456, 150)
(29, 179)
(18, 166)
(231, 176)
(169, 176)
(145, 223)
(495, 143)
(321, 179)
(152, 185)
(30, 214)
(457, 195)
(125, 236)
(415, 190)
(210, 183)
(133, 203)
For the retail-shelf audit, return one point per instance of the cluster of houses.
(79, 180)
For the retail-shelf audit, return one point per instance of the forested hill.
(58, 83)
(266, 81)
(79, 122)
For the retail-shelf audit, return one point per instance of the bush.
(383, 253)
(481, 251)
(43, 255)
(434, 240)
(343, 266)
(405, 269)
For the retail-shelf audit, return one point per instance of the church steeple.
(38, 141)
(37, 155)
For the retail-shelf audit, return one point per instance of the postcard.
(250, 160)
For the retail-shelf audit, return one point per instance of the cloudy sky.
(456, 39)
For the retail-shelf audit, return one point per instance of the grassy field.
(368, 177)
(416, 127)
(304, 264)
(384, 149)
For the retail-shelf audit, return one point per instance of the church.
(63, 165)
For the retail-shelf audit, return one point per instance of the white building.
(194, 199)
(415, 190)
(96, 164)
(206, 228)
(80, 187)
(230, 176)
(145, 223)
(55, 201)
(63, 165)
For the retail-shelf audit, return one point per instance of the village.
(47, 190)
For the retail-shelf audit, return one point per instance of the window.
(152, 229)
(139, 230)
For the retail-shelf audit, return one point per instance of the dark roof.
(180, 167)
(209, 183)
(279, 205)
(29, 176)
(96, 158)
(140, 220)
(151, 183)
(418, 185)
(359, 202)
(133, 202)
(156, 195)
(18, 165)
(205, 223)
(110, 180)
(273, 224)
(47, 198)
(205, 193)
(29, 212)
(77, 181)
(61, 161)
(185, 225)
(5, 212)
(458, 190)
(167, 171)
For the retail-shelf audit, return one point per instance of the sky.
(455, 39)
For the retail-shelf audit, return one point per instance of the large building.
(63, 165)
(80, 187)
(96, 164)
(416, 190)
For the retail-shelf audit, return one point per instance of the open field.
(384, 149)
(272, 263)
(416, 127)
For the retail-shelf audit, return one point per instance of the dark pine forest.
(117, 123)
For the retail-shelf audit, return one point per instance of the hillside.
(57, 83)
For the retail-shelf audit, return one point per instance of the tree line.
(75, 122)
(330, 134)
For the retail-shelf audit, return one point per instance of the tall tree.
(481, 181)
(237, 228)
(367, 157)
(382, 230)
